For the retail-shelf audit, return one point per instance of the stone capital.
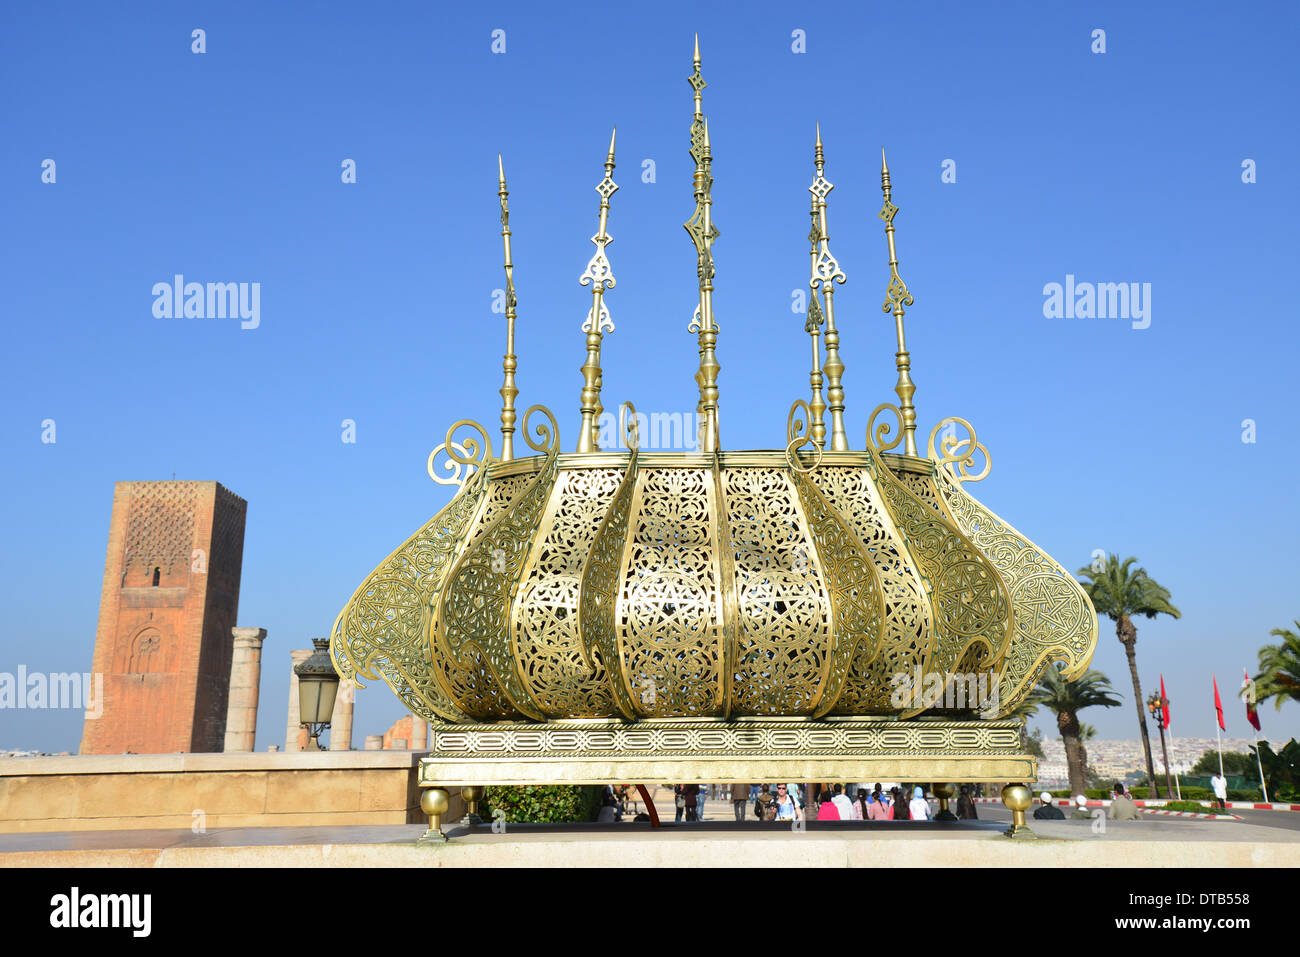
(249, 636)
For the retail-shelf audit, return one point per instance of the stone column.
(245, 676)
(341, 718)
(374, 742)
(419, 733)
(296, 737)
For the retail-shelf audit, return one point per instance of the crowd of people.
(829, 802)
(847, 802)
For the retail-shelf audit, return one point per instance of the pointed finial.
(703, 233)
(600, 276)
(510, 362)
(897, 296)
(826, 272)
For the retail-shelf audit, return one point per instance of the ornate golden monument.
(812, 613)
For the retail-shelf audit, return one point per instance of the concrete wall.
(109, 792)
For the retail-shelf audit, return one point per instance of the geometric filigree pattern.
(854, 586)
(558, 676)
(669, 609)
(783, 629)
(733, 585)
(908, 635)
(382, 631)
(474, 609)
(1054, 619)
(971, 603)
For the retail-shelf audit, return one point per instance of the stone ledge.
(239, 761)
(812, 850)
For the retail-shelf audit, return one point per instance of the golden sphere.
(942, 790)
(434, 801)
(1017, 797)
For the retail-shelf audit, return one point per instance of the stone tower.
(170, 600)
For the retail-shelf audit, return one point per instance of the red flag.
(1164, 704)
(1248, 689)
(1218, 705)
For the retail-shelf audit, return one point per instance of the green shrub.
(1235, 795)
(1194, 806)
(1094, 794)
(544, 804)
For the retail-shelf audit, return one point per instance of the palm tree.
(1086, 733)
(1119, 591)
(1067, 699)
(1279, 668)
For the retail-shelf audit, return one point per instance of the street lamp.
(318, 683)
(1156, 705)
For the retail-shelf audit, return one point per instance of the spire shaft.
(510, 363)
(896, 297)
(826, 273)
(703, 233)
(600, 276)
(817, 407)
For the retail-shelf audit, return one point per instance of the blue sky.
(1122, 166)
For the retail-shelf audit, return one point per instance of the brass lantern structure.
(318, 684)
(624, 613)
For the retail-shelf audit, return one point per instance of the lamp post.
(318, 683)
(1156, 705)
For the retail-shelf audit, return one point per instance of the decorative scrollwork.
(628, 426)
(876, 435)
(796, 426)
(794, 445)
(606, 323)
(958, 454)
(465, 457)
(547, 437)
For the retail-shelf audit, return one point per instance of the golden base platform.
(749, 749)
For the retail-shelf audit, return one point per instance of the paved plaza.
(1260, 839)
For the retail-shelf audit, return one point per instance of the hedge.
(544, 804)
(1189, 794)
(1194, 806)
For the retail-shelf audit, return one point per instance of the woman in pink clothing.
(860, 805)
(878, 810)
(827, 811)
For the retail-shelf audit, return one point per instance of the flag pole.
(1178, 778)
(1262, 786)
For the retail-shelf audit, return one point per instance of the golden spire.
(827, 272)
(508, 390)
(817, 407)
(600, 276)
(703, 233)
(896, 297)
